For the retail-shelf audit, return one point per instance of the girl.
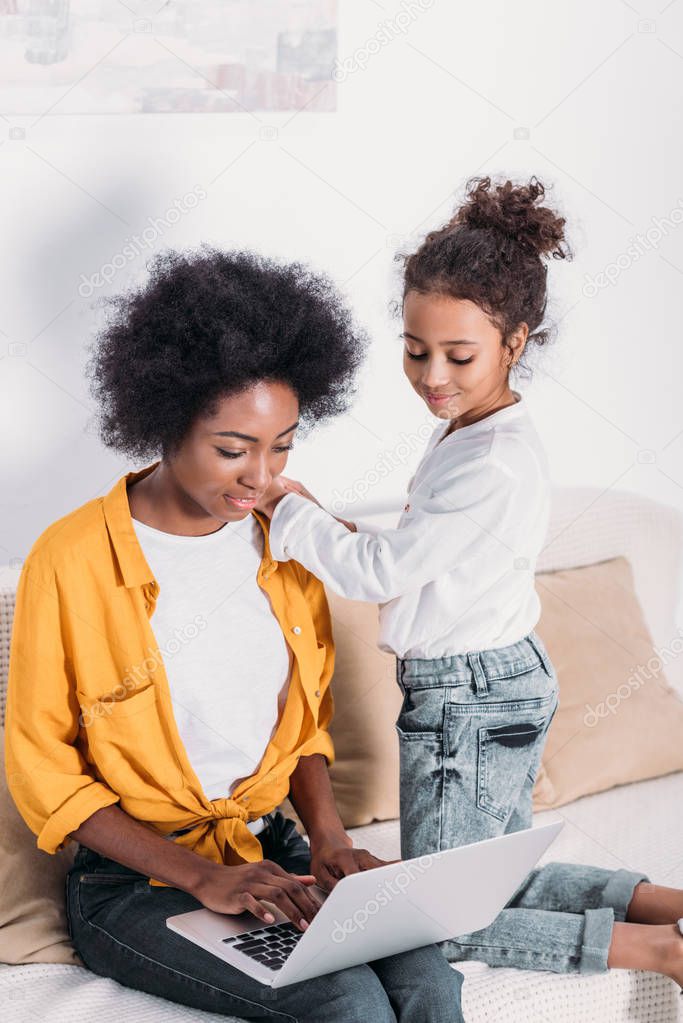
(455, 581)
(168, 768)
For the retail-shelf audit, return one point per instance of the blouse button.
(317, 693)
(296, 629)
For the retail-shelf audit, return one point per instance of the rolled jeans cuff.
(619, 891)
(599, 923)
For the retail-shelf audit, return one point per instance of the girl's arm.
(465, 516)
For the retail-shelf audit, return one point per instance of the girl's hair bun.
(514, 211)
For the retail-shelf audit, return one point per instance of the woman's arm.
(332, 853)
(113, 833)
(224, 889)
(47, 774)
(54, 791)
(310, 794)
(465, 516)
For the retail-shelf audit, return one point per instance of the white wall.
(597, 96)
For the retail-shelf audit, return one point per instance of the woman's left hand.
(330, 861)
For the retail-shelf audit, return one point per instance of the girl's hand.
(294, 487)
(234, 889)
(281, 486)
(272, 497)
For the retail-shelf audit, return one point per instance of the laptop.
(376, 913)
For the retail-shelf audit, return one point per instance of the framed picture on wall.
(167, 56)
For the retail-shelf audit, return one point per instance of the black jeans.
(117, 922)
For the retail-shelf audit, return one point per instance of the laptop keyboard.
(271, 946)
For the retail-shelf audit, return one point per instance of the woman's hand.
(227, 889)
(332, 860)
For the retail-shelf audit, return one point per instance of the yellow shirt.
(89, 717)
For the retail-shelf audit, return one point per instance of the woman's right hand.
(236, 889)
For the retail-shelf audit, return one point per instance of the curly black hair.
(209, 323)
(490, 253)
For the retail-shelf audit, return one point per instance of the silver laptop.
(376, 913)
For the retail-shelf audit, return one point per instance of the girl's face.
(228, 460)
(454, 356)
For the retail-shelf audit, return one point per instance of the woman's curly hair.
(209, 323)
(490, 252)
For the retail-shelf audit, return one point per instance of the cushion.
(33, 926)
(607, 731)
(618, 720)
(367, 701)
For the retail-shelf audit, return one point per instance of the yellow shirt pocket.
(129, 743)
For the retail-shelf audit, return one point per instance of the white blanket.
(638, 826)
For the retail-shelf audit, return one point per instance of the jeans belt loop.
(535, 643)
(474, 661)
(399, 674)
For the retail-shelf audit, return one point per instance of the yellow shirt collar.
(135, 569)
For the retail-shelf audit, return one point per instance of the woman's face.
(453, 355)
(228, 460)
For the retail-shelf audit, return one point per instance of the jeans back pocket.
(505, 755)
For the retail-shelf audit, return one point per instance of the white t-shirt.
(457, 573)
(224, 652)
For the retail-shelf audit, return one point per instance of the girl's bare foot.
(654, 947)
(675, 965)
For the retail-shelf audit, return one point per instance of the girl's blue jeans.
(471, 731)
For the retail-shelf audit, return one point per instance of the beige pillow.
(593, 627)
(33, 927)
(367, 701)
(618, 720)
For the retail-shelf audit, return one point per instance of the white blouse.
(457, 572)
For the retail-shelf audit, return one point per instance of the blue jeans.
(471, 731)
(117, 922)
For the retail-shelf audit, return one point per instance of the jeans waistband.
(86, 857)
(257, 827)
(500, 662)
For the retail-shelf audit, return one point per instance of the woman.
(169, 682)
